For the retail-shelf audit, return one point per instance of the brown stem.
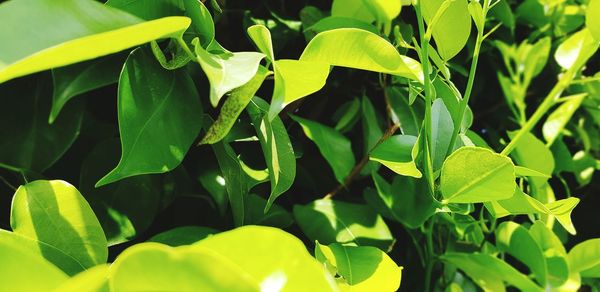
(361, 164)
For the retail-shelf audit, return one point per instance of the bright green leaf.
(398, 154)
(363, 268)
(576, 49)
(558, 119)
(336, 148)
(276, 146)
(452, 29)
(592, 18)
(331, 221)
(81, 30)
(183, 235)
(473, 174)
(585, 258)
(516, 240)
(92, 280)
(56, 214)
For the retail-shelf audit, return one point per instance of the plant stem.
(546, 104)
(431, 257)
(469, 89)
(361, 164)
(428, 99)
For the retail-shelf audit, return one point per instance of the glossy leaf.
(441, 132)
(56, 214)
(184, 235)
(331, 221)
(576, 50)
(452, 29)
(398, 154)
(80, 30)
(554, 251)
(489, 272)
(227, 71)
(276, 216)
(360, 49)
(558, 119)
(276, 147)
(27, 141)
(74, 80)
(336, 148)
(355, 9)
(585, 258)
(409, 115)
(166, 115)
(473, 174)
(592, 18)
(335, 22)
(362, 268)
(372, 131)
(202, 23)
(532, 153)
(235, 180)
(153, 266)
(233, 107)
(120, 219)
(271, 257)
(23, 271)
(516, 240)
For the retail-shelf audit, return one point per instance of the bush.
(342, 146)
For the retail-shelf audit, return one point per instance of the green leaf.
(356, 9)
(473, 175)
(184, 235)
(202, 23)
(398, 153)
(125, 208)
(442, 127)
(261, 36)
(331, 221)
(554, 251)
(516, 240)
(360, 49)
(167, 115)
(528, 172)
(532, 153)
(27, 141)
(276, 260)
(584, 258)
(235, 180)
(453, 27)
(592, 18)
(362, 268)
(24, 271)
(476, 12)
(489, 272)
(55, 213)
(562, 209)
(336, 148)
(276, 147)
(71, 81)
(154, 266)
(93, 280)
(407, 198)
(347, 115)
(233, 107)
(371, 132)
(225, 70)
(276, 216)
(81, 30)
(409, 115)
(558, 119)
(576, 49)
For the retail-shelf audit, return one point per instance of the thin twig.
(361, 164)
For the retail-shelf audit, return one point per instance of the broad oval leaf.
(554, 251)
(335, 147)
(442, 127)
(576, 49)
(276, 260)
(360, 49)
(24, 271)
(154, 266)
(398, 154)
(452, 29)
(474, 175)
(516, 240)
(355, 9)
(56, 214)
(362, 268)
(156, 107)
(558, 119)
(80, 30)
(92, 280)
(335, 22)
(276, 146)
(331, 221)
(585, 258)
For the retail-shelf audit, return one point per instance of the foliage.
(345, 145)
